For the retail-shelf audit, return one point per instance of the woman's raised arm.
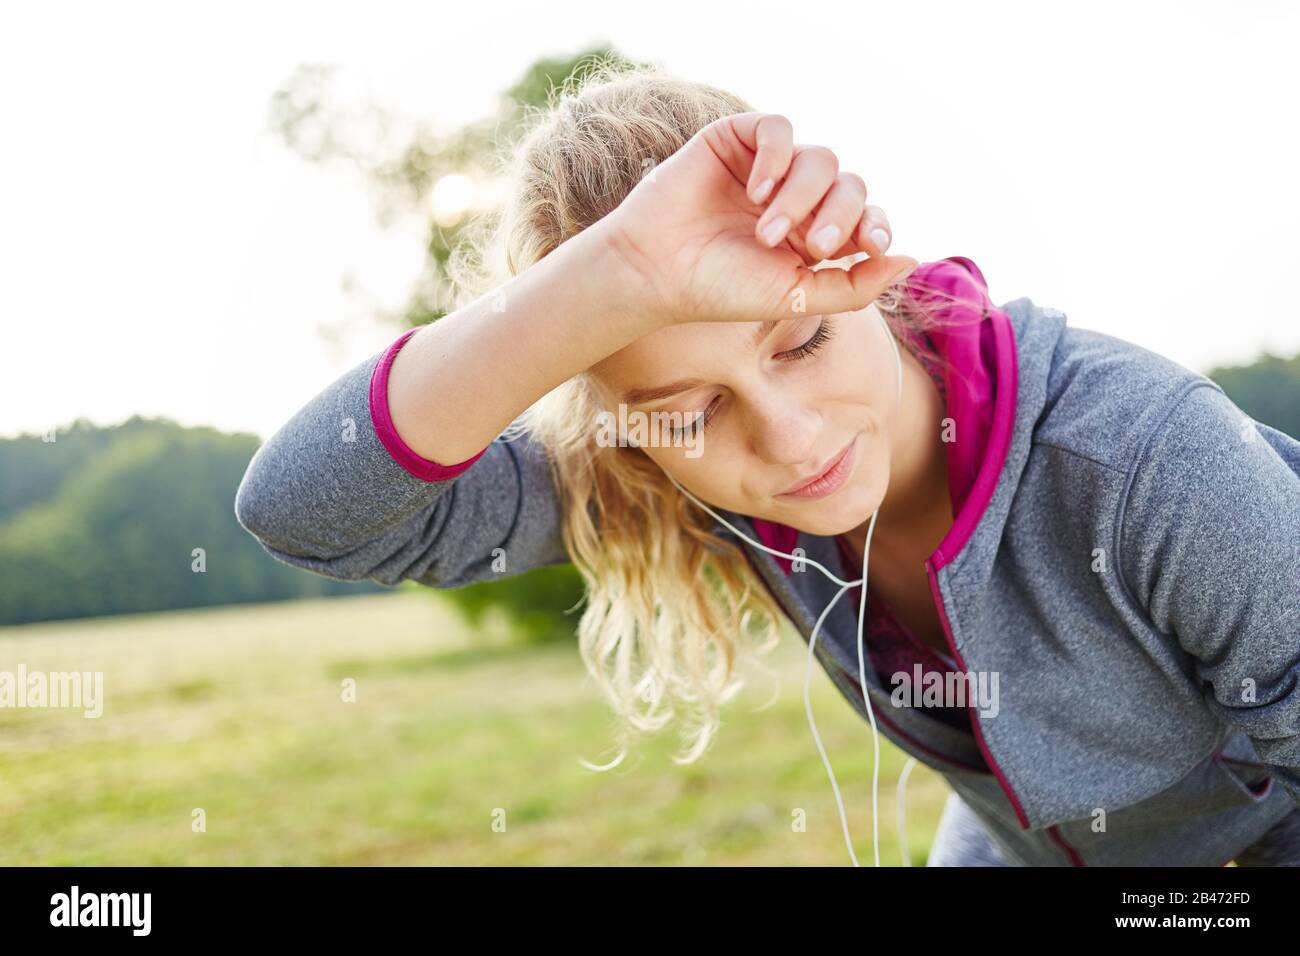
(391, 472)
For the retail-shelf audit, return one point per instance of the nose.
(784, 430)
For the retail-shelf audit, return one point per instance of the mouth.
(829, 479)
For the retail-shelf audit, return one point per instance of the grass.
(235, 717)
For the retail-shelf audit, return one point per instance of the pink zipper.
(1052, 831)
(1071, 852)
(974, 718)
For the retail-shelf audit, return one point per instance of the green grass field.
(238, 712)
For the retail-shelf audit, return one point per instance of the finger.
(796, 241)
(874, 233)
(865, 237)
(837, 216)
(832, 290)
(773, 145)
(755, 147)
(811, 175)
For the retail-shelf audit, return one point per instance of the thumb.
(829, 290)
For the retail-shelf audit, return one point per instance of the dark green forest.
(1268, 390)
(108, 520)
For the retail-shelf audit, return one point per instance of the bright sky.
(1132, 164)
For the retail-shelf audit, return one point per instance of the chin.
(843, 511)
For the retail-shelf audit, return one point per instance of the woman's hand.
(730, 226)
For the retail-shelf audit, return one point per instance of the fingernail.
(879, 238)
(775, 230)
(827, 238)
(763, 189)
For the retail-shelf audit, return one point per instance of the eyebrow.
(639, 396)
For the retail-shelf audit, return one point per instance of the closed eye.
(825, 330)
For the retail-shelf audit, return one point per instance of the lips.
(827, 470)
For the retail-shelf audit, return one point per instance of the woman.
(677, 383)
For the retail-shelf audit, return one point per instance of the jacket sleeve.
(337, 492)
(1210, 547)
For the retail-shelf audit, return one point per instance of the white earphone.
(812, 643)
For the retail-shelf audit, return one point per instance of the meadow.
(236, 716)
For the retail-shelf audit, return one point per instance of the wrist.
(627, 278)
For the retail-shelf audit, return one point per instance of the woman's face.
(765, 408)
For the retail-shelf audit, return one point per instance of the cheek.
(717, 475)
(863, 372)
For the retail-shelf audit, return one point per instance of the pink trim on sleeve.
(421, 468)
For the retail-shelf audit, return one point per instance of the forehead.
(688, 350)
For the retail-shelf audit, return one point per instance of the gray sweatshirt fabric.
(1133, 583)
